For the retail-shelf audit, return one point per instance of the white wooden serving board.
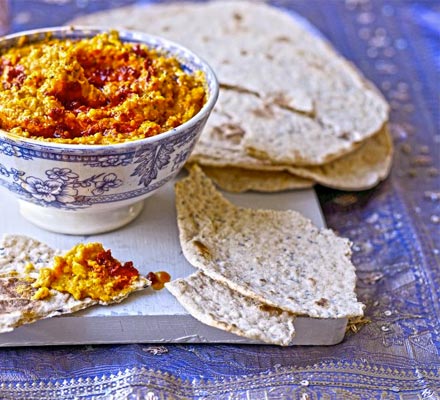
(152, 243)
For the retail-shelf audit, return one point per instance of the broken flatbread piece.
(217, 305)
(20, 260)
(18, 307)
(23, 298)
(276, 257)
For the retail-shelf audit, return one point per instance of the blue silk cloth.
(394, 227)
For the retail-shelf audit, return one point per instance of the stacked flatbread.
(291, 111)
(258, 269)
(21, 259)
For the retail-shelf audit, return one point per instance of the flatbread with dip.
(25, 296)
(268, 57)
(278, 258)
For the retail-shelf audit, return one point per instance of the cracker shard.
(276, 257)
(217, 305)
(18, 305)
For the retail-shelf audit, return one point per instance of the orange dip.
(87, 270)
(94, 91)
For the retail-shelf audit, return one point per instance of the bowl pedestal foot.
(80, 222)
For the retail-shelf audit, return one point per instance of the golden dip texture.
(87, 270)
(94, 91)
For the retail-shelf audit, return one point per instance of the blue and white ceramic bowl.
(85, 189)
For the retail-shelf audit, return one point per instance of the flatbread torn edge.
(276, 257)
(17, 307)
(215, 304)
(361, 169)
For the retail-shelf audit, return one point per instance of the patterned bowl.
(86, 189)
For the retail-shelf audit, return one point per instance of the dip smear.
(94, 91)
(87, 270)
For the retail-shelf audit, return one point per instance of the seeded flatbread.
(281, 136)
(215, 304)
(260, 50)
(221, 146)
(277, 257)
(238, 115)
(17, 306)
(241, 180)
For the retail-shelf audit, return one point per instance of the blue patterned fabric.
(394, 227)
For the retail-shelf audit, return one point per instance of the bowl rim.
(211, 79)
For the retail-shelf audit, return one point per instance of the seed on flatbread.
(215, 304)
(17, 251)
(316, 96)
(276, 257)
(241, 180)
(21, 260)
